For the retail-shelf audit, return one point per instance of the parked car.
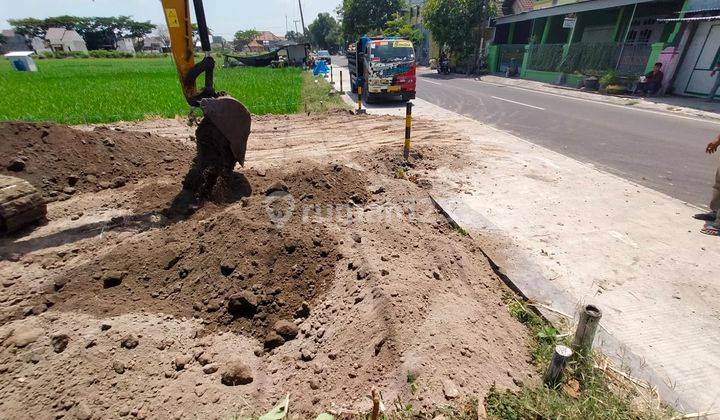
(324, 55)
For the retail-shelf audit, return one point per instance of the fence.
(509, 52)
(589, 58)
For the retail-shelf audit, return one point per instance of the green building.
(564, 41)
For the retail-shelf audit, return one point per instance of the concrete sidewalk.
(568, 234)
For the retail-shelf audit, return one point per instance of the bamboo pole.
(586, 328)
(553, 374)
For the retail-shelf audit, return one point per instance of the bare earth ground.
(322, 270)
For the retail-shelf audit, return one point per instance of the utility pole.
(302, 19)
(296, 29)
(286, 27)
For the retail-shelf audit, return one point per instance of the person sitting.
(651, 82)
(512, 69)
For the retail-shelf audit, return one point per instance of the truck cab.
(384, 67)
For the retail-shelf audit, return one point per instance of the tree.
(98, 32)
(360, 17)
(325, 32)
(30, 27)
(458, 24)
(2, 39)
(295, 36)
(400, 26)
(242, 38)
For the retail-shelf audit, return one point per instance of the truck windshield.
(389, 51)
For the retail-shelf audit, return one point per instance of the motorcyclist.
(443, 67)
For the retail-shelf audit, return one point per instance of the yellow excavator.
(221, 136)
(223, 132)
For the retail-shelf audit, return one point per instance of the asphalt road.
(662, 151)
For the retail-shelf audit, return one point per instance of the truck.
(384, 67)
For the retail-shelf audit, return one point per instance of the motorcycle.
(443, 67)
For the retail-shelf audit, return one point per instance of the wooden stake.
(376, 405)
(587, 326)
(553, 374)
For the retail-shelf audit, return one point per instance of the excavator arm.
(228, 115)
(177, 16)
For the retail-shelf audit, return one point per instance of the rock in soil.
(129, 342)
(236, 373)
(59, 342)
(242, 305)
(288, 330)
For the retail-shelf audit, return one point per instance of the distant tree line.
(98, 32)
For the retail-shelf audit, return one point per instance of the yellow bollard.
(359, 97)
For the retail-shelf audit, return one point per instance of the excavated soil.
(322, 269)
(63, 161)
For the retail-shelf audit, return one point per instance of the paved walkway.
(568, 234)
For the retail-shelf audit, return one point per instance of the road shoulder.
(568, 234)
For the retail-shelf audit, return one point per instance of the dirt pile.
(314, 271)
(63, 161)
(251, 268)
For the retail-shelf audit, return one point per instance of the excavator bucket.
(232, 119)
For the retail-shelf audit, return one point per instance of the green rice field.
(79, 91)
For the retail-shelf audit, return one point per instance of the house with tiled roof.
(61, 39)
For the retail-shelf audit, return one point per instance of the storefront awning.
(582, 6)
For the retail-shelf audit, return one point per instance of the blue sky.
(224, 16)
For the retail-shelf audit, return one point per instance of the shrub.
(110, 54)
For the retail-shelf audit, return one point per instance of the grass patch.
(588, 392)
(78, 91)
(319, 96)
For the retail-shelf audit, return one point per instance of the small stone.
(276, 187)
(288, 330)
(307, 355)
(129, 342)
(209, 369)
(384, 272)
(82, 412)
(38, 309)
(243, 304)
(303, 311)
(69, 190)
(436, 275)
(377, 189)
(113, 278)
(356, 237)
(181, 361)
(449, 389)
(59, 342)
(23, 336)
(236, 373)
(119, 367)
(118, 181)
(273, 340)
(313, 384)
(58, 284)
(16, 165)
(104, 185)
(104, 326)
